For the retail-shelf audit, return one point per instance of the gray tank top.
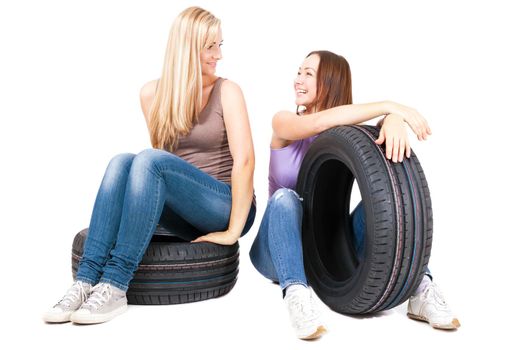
(206, 145)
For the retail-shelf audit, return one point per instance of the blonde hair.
(178, 98)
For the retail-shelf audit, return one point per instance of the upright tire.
(173, 271)
(398, 214)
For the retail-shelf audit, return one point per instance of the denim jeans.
(277, 249)
(136, 193)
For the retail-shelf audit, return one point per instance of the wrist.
(233, 232)
(388, 107)
(393, 118)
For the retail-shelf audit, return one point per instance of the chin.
(301, 102)
(208, 70)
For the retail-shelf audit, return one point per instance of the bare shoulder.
(148, 90)
(230, 89)
(283, 117)
(232, 100)
(146, 96)
(277, 142)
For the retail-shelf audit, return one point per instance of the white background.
(70, 75)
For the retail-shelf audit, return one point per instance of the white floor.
(69, 81)
(251, 316)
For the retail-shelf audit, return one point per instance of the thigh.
(177, 226)
(195, 196)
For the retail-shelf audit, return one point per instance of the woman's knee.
(285, 198)
(117, 170)
(119, 166)
(150, 159)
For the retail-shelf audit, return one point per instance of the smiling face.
(210, 54)
(305, 84)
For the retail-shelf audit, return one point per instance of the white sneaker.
(104, 303)
(430, 306)
(71, 301)
(304, 314)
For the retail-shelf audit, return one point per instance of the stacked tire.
(173, 271)
(398, 216)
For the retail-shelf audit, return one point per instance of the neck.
(306, 111)
(311, 109)
(208, 80)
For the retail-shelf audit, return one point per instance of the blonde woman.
(198, 175)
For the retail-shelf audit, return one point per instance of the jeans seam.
(281, 273)
(168, 169)
(151, 222)
(282, 270)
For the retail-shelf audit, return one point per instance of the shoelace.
(304, 308)
(100, 294)
(436, 293)
(73, 293)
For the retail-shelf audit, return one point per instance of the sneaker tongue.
(102, 295)
(69, 298)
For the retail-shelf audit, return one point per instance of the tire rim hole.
(335, 196)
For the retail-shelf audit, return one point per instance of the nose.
(217, 55)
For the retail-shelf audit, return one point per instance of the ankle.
(292, 288)
(87, 286)
(425, 282)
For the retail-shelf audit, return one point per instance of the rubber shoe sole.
(450, 326)
(81, 318)
(318, 333)
(62, 317)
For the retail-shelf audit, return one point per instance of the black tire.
(173, 271)
(398, 215)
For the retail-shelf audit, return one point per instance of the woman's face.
(306, 82)
(210, 54)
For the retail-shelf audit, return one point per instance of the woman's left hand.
(223, 238)
(394, 132)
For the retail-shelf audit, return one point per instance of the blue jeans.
(136, 192)
(277, 249)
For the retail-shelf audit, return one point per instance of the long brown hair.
(334, 87)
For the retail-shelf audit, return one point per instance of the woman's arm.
(242, 151)
(290, 126)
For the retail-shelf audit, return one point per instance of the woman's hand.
(416, 121)
(223, 238)
(393, 131)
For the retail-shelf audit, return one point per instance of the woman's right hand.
(416, 121)
(394, 133)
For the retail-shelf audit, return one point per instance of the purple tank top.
(285, 164)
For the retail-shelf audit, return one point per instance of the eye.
(220, 44)
(298, 73)
(309, 74)
(210, 47)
